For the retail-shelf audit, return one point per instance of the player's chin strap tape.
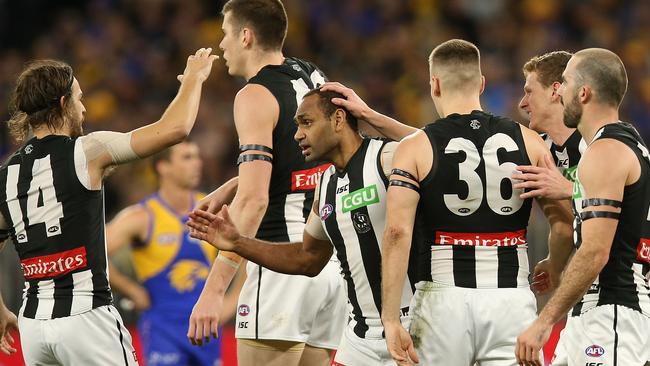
(252, 157)
(403, 173)
(601, 202)
(401, 183)
(586, 215)
(256, 147)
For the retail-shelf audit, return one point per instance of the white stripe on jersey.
(293, 216)
(45, 299)
(82, 292)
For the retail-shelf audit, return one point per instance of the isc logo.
(242, 325)
(594, 364)
(594, 351)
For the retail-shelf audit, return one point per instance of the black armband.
(403, 173)
(401, 183)
(256, 147)
(586, 215)
(601, 202)
(252, 157)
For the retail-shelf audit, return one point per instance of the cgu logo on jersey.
(306, 180)
(643, 250)
(54, 265)
(360, 198)
(595, 351)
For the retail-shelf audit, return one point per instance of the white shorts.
(295, 308)
(606, 335)
(96, 337)
(463, 326)
(355, 351)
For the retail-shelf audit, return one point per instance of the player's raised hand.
(400, 344)
(218, 230)
(199, 65)
(352, 102)
(8, 322)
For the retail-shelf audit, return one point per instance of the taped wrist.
(228, 261)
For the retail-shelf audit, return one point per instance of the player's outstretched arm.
(307, 258)
(597, 235)
(254, 127)
(129, 226)
(402, 200)
(219, 197)
(385, 125)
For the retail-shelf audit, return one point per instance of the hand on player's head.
(352, 102)
(199, 65)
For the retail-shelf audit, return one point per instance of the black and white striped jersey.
(352, 207)
(625, 278)
(567, 156)
(291, 191)
(57, 226)
(470, 216)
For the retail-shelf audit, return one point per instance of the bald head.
(457, 63)
(604, 72)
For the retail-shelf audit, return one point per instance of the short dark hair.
(166, 154)
(328, 108)
(267, 18)
(35, 100)
(548, 67)
(457, 62)
(604, 71)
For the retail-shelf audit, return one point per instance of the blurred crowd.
(126, 55)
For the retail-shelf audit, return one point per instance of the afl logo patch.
(326, 211)
(595, 351)
(243, 310)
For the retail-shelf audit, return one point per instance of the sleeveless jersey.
(291, 192)
(470, 216)
(172, 266)
(624, 279)
(57, 226)
(567, 156)
(352, 207)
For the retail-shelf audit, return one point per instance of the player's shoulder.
(254, 95)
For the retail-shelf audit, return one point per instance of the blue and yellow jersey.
(170, 264)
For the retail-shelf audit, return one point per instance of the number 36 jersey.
(470, 216)
(57, 226)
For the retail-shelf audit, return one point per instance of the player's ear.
(482, 85)
(339, 119)
(247, 37)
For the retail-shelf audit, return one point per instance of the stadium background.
(127, 53)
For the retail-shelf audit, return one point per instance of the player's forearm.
(226, 192)
(247, 214)
(181, 113)
(120, 282)
(578, 277)
(395, 254)
(289, 258)
(560, 245)
(387, 126)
